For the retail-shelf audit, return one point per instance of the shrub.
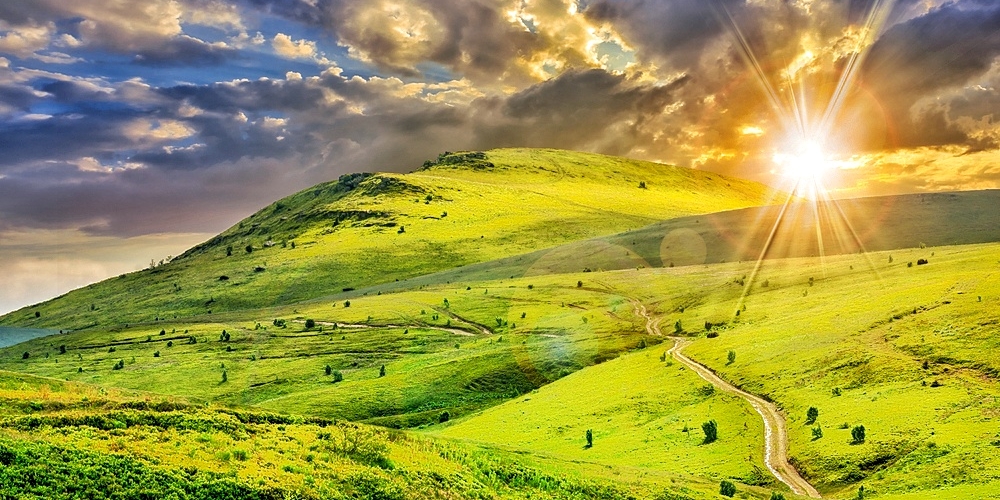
(909, 264)
(711, 430)
(590, 438)
(225, 377)
(811, 415)
(337, 376)
(731, 357)
(817, 432)
(229, 251)
(38, 314)
(445, 416)
(381, 371)
(921, 262)
(727, 489)
(402, 229)
(836, 391)
(858, 434)
(935, 383)
(530, 287)
(156, 354)
(163, 332)
(347, 303)
(328, 369)
(119, 365)
(712, 335)
(310, 324)
(112, 349)
(642, 184)
(678, 327)
(249, 248)
(579, 284)
(170, 343)
(777, 496)
(62, 349)
(26, 355)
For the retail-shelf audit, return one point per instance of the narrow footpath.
(775, 434)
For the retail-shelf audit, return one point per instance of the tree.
(777, 496)
(642, 184)
(347, 303)
(579, 284)
(170, 343)
(711, 430)
(731, 357)
(328, 369)
(811, 415)
(445, 416)
(156, 354)
(337, 376)
(249, 248)
(858, 434)
(62, 349)
(590, 438)
(678, 328)
(727, 489)
(817, 432)
(26, 355)
(381, 371)
(38, 314)
(310, 324)
(229, 251)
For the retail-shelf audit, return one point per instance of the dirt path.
(775, 434)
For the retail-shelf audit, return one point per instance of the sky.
(131, 130)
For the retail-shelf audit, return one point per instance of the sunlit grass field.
(220, 374)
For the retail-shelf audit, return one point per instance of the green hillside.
(365, 229)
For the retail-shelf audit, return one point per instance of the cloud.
(286, 47)
(152, 32)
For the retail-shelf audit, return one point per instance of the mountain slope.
(368, 229)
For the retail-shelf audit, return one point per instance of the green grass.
(71, 440)
(346, 234)
(428, 371)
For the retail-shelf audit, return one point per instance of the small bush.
(225, 376)
(249, 248)
(119, 365)
(909, 264)
(62, 349)
(347, 303)
(156, 354)
(26, 355)
(777, 496)
(678, 327)
(112, 349)
(727, 489)
(337, 376)
(642, 184)
(731, 357)
(711, 430)
(817, 432)
(836, 391)
(590, 438)
(445, 416)
(811, 415)
(712, 335)
(328, 369)
(310, 324)
(858, 434)
(170, 343)
(381, 371)
(935, 383)
(921, 262)
(579, 284)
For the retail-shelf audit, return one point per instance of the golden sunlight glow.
(807, 163)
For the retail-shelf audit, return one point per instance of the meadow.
(532, 365)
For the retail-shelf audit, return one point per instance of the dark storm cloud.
(676, 31)
(184, 51)
(925, 56)
(296, 133)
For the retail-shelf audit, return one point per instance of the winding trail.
(775, 433)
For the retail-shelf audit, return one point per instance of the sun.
(806, 164)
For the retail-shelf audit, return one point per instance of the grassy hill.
(364, 229)
(71, 440)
